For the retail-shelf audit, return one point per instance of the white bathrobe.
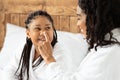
(103, 64)
(38, 73)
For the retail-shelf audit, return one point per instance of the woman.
(28, 64)
(102, 20)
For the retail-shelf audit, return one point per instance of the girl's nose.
(42, 33)
(42, 36)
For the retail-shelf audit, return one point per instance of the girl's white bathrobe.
(60, 53)
(103, 64)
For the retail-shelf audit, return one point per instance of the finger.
(46, 37)
(40, 47)
(41, 50)
(44, 45)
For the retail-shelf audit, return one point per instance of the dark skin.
(45, 50)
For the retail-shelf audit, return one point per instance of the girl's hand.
(45, 50)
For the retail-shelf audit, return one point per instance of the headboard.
(16, 11)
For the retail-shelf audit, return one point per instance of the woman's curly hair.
(102, 17)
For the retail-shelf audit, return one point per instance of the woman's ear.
(28, 33)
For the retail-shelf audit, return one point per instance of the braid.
(24, 60)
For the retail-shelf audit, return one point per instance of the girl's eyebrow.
(37, 25)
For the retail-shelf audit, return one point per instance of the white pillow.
(15, 37)
(76, 44)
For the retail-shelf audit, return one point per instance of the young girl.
(41, 34)
(102, 21)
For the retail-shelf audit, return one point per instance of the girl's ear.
(28, 33)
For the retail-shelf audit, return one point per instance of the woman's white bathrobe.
(103, 64)
(38, 73)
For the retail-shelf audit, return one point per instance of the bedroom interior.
(12, 32)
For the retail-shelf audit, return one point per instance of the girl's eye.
(37, 29)
(47, 28)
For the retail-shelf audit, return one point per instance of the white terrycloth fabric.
(103, 64)
(38, 72)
